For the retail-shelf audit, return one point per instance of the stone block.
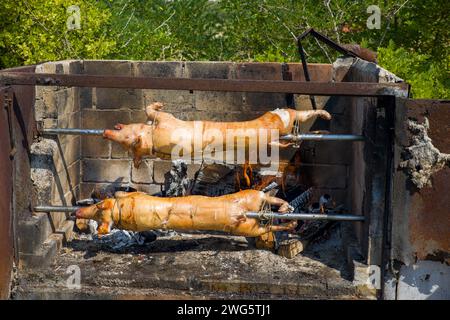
(46, 106)
(33, 232)
(95, 147)
(107, 67)
(85, 97)
(138, 116)
(150, 189)
(219, 101)
(42, 258)
(104, 170)
(111, 98)
(70, 120)
(104, 119)
(259, 71)
(321, 72)
(209, 70)
(172, 99)
(65, 101)
(166, 69)
(144, 174)
(262, 101)
(217, 116)
(119, 152)
(61, 197)
(46, 67)
(68, 152)
(68, 179)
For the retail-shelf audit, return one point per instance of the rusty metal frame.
(329, 43)
(363, 89)
(25, 77)
(7, 226)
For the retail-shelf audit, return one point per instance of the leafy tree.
(429, 78)
(33, 31)
(412, 41)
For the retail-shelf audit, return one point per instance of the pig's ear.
(137, 144)
(152, 110)
(103, 205)
(118, 126)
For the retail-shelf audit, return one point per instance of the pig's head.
(100, 212)
(136, 138)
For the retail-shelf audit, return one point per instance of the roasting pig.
(163, 132)
(138, 211)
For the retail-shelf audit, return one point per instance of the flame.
(245, 179)
(247, 175)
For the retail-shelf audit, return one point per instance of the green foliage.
(231, 30)
(429, 78)
(34, 31)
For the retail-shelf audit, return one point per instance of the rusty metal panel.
(6, 183)
(365, 89)
(421, 216)
(17, 129)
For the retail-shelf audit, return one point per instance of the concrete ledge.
(43, 257)
(33, 232)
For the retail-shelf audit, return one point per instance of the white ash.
(118, 239)
(177, 182)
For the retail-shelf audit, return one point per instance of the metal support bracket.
(8, 105)
(329, 43)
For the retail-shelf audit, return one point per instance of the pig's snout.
(110, 134)
(79, 214)
(85, 213)
(113, 134)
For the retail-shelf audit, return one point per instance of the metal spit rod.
(56, 208)
(322, 137)
(84, 132)
(306, 136)
(304, 216)
(255, 215)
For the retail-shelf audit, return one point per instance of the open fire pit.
(335, 177)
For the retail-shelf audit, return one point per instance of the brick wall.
(76, 165)
(94, 162)
(59, 107)
(105, 163)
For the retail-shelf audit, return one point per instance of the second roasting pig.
(163, 132)
(137, 211)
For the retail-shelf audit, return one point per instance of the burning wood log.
(177, 182)
(137, 211)
(164, 132)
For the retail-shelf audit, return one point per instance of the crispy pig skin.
(163, 132)
(138, 211)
